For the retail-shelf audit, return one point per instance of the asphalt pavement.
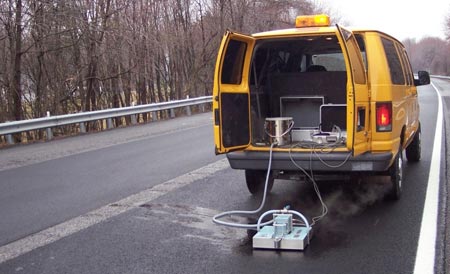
(165, 226)
(444, 225)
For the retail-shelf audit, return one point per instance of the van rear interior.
(304, 78)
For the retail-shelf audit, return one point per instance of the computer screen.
(305, 111)
(333, 114)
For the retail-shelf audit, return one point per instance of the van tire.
(256, 179)
(413, 151)
(396, 174)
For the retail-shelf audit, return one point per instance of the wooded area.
(67, 56)
(430, 53)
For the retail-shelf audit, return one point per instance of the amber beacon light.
(320, 20)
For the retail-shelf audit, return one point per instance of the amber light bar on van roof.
(320, 20)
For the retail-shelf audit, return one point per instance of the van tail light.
(384, 116)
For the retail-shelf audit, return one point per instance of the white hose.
(245, 212)
(251, 212)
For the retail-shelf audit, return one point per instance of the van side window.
(408, 69)
(394, 63)
(233, 62)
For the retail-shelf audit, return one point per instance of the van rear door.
(357, 94)
(231, 94)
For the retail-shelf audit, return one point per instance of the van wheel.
(396, 173)
(414, 149)
(255, 180)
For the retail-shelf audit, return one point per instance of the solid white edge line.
(57, 232)
(426, 248)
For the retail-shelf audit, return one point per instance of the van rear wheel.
(396, 173)
(414, 149)
(256, 179)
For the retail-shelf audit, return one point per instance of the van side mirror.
(424, 78)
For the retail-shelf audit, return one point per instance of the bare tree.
(13, 24)
(66, 56)
(447, 26)
(430, 53)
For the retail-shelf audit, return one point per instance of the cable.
(245, 212)
(315, 186)
(313, 146)
(333, 166)
(251, 212)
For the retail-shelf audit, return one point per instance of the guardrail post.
(188, 108)
(154, 116)
(49, 130)
(172, 113)
(133, 119)
(9, 139)
(202, 108)
(133, 116)
(82, 127)
(109, 123)
(188, 111)
(49, 134)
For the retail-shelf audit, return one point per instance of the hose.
(245, 212)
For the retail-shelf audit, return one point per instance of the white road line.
(57, 232)
(426, 248)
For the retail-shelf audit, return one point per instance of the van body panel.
(266, 75)
(341, 161)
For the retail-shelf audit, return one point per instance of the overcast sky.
(399, 18)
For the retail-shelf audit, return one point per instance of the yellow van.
(318, 98)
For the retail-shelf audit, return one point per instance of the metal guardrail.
(9, 128)
(440, 77)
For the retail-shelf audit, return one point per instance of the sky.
(399, 18)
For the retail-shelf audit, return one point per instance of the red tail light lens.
(384, 116)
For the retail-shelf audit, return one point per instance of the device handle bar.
(282, 211)
(291, 126)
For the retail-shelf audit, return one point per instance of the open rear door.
(231, 94)
(357, 94)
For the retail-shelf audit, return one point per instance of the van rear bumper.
(321, 162)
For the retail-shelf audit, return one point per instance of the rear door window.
(233, 62)
(362, 47)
